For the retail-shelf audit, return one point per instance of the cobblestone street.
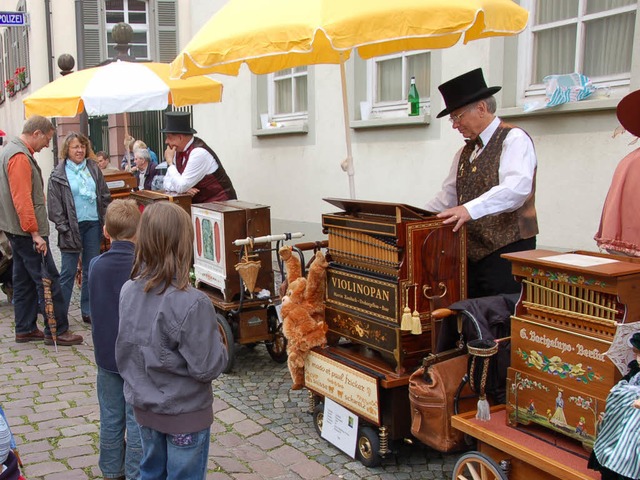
(261, 429)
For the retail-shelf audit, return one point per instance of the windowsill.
(291, 130)
(572, 107)
(418, 120)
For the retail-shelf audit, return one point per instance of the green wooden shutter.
(166, 31)
(3, 59)
(93, 38)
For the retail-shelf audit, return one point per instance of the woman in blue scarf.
(77, 201)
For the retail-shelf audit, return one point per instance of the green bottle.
(414, 99)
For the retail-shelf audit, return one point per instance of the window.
(133, 12)
(593, 37)
(16, 54)
(288, 95)
(3, 59)
(154, 29)
(388, 80)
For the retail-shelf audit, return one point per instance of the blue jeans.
(28, 294)
(116, 417)
(174, 457)
(91, 236)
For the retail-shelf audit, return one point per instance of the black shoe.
(86, 319)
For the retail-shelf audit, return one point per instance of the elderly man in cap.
(490, 187)
(194, 167)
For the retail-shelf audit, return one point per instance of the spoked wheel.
(318, 418)
(368, 447)
(277, 346)
(227, 339)
(477, 466)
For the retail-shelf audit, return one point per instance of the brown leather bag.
(432, 404)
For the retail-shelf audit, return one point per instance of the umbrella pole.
(126, 134)
(347, 164)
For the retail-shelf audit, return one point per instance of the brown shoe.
(66, 339)
(34, 336)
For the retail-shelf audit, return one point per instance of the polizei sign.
(13, 19)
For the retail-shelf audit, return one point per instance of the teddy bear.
(303, 312)
(316, 280)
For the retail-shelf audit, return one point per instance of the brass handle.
(426, 288)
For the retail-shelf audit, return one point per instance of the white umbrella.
(620, 352)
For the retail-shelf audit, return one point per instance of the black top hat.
(178, 122)
(463, 90)
(628, 113)
(634, 340)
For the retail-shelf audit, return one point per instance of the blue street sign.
(13, 19)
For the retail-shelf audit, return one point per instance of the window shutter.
(92, 36)
(3, 59)
(167, 35)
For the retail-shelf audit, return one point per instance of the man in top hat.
(619, 230)
(490, 187)
(194, 167)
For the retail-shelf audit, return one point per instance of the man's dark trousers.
(28, 292)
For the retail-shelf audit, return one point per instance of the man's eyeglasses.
(456, 118)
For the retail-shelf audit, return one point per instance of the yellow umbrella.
(271, 35)
(119, 87)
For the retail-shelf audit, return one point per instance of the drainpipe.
(47, 10)
(84, 121)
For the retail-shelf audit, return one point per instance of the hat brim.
(628, 112)
(480, 95)
(191, 131)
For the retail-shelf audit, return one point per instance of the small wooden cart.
(505, 452)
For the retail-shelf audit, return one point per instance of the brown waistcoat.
(491, 232)
(214, 187)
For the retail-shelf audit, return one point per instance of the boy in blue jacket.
(107, 274)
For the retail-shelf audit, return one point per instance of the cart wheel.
(476, 465)
(277, 346)
(368, 447)
(318, 418)
(227, 338)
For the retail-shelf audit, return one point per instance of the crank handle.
(427, 288)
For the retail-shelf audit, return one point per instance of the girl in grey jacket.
(169, 348)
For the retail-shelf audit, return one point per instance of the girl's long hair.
(164, 247)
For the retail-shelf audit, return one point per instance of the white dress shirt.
(517, 168)
(200, 163)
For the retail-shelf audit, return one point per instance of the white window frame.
(292, 118)
(528, 91)
(393, 108)
(137, 28)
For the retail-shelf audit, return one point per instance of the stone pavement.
(261, 429)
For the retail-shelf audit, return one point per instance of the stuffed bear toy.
(303, 312)
(316, 280)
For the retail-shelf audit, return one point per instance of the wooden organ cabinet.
(216, 226)
(386, 257)
(565, 321)
(120, 183)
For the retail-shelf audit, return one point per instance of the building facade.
(281, 137)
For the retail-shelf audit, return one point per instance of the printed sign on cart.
(345, 385)
(340, 427)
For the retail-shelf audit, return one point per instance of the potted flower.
(10, 87)
(21, 75)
